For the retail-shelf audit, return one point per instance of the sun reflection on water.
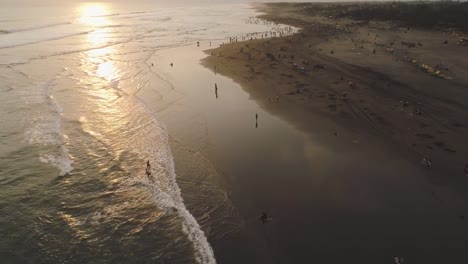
(99, 56)
(107, 70)
(94, 14)
(98, 37)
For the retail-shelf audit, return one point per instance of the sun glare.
(98, 61)
(98, 36)
(93, 14)
(107, 70)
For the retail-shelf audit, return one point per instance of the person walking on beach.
(398, 260)
(256, 120)
(426, 162)
(216, 90)
(263, 218)
(148, 169)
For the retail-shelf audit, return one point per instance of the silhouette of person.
(148, 169)
(263, 218)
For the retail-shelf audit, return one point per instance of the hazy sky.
(161, 3)
(188, 2)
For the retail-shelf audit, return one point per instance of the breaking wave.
(46, 129)
(14, 30)
(23, 42)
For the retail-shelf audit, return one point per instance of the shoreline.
(263, 160)
(363, 189)
(382, 92)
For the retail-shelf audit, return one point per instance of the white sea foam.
(60, 159)
(149, 138)
(170, 198)
(45, 131)
(167, 186)
(163, 186)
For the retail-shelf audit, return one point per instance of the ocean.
(80, 98)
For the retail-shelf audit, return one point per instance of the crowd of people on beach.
(280, 31)
(426, 162)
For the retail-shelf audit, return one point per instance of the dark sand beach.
(196, 132)
(375, 99)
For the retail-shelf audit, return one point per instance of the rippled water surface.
(77, 130)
